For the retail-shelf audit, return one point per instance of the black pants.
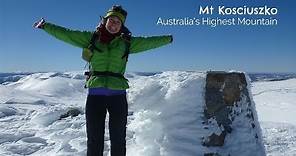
(95, 111)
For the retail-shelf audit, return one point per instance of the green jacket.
(110, 57)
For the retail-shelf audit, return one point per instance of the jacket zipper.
(108, 66)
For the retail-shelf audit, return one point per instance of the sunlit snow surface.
(276, 108)
(163, 111)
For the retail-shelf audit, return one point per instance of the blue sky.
(244, 48)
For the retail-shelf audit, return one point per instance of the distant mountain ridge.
(15, 76)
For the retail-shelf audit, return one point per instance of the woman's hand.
(39, 24)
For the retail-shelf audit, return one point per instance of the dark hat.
(118, 11)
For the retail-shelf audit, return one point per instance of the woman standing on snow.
(107, 51)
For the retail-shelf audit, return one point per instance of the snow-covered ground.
(276, 108)
(163, 111)
(30, 109)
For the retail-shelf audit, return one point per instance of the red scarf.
(105, 36)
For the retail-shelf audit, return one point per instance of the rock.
(215, 140)
(71, 112)
(223, 91)
(253, 125)
(205, 127)
(226, 98)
